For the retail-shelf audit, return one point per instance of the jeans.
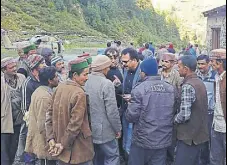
(107, 153)
(218, 148)
(127, 134)
(187, 154)
(9, 144)
(141, 156)
(24, 157)
(205, 151)
(22, 142)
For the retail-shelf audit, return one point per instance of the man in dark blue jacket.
(151, 110)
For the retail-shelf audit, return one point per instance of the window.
(216, 38)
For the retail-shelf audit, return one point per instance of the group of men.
(114, 105)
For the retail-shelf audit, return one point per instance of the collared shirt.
(209, 80)
(128, 84)
(187, 99)
(219, 123)
(11, 81)
(173, 77)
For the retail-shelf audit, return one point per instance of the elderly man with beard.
(58, 63)
(67, 125)
(11, 114)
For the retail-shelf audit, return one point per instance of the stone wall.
(216, 22)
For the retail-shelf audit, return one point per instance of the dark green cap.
(28, 48)
(77, 64)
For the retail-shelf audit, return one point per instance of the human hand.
(116, 82)
(52, 143)
(56, 150)
(127, 97)
(118, 135)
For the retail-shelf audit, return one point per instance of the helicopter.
(41, 41)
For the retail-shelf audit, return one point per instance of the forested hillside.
(129, 20)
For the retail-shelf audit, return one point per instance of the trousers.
(9, 143)
(187, 154)
(141, 156)
(107, 153)
(218, 148)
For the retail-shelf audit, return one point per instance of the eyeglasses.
(126, 62)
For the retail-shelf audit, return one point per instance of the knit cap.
(34, 60)
(77, 64)
(45, 52)
(55, 59)
(149, 67)
(6, 61)
(87, 57)
(218, 54)
(100, 62)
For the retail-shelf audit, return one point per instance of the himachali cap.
(34, 60)
(87, 57)
(28, 48)
(6, 61)
(218, 54)
(77, 64)
(168, 57)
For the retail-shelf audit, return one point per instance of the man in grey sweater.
(105, 119)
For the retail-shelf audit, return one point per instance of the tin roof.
(220, 9)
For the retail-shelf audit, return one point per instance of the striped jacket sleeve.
(24, 102)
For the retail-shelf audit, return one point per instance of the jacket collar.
(98, 74)
(204, 76)
(150, 78)
(48, 89)
(70, 82)
(193, 75)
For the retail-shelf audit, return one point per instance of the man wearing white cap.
(11, 114)
(105, 119)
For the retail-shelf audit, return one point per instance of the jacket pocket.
(97, 129)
